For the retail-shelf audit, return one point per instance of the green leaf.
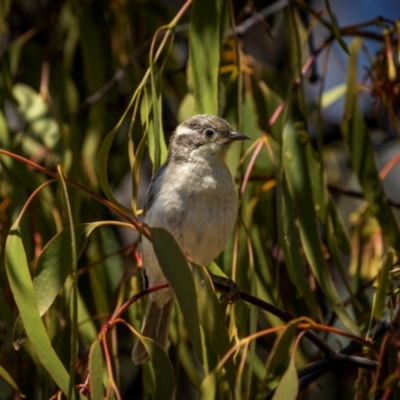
(267, 104)
(186, 108)
(102, 165)
(151, 120)
(7, 377)
(332, 95)
(281, 347)
(290, 244)
(163, 370)
(319, 191)
(340, 232)
(355, 133)
(42, 128)
(95, 68)
(136, 161)
(96, 371)
(208, 387)
(335, 29)
(298, 178)
(383, 286)
(23, 292)
(157, 133)
(204, 59)
(212, 319)
(52, 269)
(6, 79)
(288, 387)
(176, 269)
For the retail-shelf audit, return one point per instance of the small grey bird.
(193, 196)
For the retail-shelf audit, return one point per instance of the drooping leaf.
(208, 387)
(288, 387)
(96, 371)
(290, 244)
(7, 377)
(165, 387)
(341, 235)
(102, 166)
(355, 133)
(176, 269)
(383, 286)
(298, 178)
(212, 319)
(204, 46)
(281, 348)
(151, 122)
(36, 114)
(52, 269)
(335, 29)
(23, 292)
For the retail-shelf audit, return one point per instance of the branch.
(329, 353)
(313, 372)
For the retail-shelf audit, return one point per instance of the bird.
(193, 196)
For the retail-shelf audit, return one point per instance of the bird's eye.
(209, 132)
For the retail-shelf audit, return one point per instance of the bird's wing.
(154, 188)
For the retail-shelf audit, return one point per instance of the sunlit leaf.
(288, 387)
(42, 126)
(24, 296)
(204, 34)
(52, 269)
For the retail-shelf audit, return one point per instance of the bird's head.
(203, 135)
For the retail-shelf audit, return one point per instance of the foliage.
(89, 92)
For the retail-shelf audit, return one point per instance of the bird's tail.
(155, 326)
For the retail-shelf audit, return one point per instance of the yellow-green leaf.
(204, 46)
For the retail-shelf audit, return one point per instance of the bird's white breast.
(197, 204)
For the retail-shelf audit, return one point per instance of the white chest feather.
(198, 205)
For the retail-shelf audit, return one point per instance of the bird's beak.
(237, 136)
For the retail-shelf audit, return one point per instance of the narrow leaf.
(335, 29)
(280, 350)
(383, 286)
(96, 371)
(298, 178)
(204, 46)
(355, 133)
(212, 319)
(7, 377)
(22, 288)
(288, 387)
(102, 165)
(52, 269)
(290, 244)
(163, 370)
(176, 269)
